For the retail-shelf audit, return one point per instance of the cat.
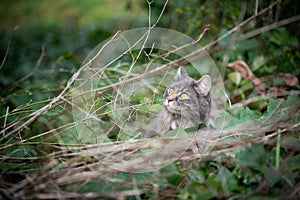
(187, 103)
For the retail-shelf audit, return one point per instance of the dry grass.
(65, 168)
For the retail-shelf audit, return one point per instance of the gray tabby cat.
(187, 103)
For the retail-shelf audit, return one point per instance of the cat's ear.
(181, 74)
(203, 86)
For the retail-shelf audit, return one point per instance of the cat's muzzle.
(171, 105)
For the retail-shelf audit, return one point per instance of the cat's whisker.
(187, 103)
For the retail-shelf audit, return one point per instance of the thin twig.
(8, 48)
(37, 65)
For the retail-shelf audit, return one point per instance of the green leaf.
(195, 192)
(235, 77)
(171, 173)
(246, 114)
(259, 104)
(227, 180)
(258, 61)
(294, 163)
(246, 45)
(196, 176)
(253, 157)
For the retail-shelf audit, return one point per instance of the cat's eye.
(170, 91)
(184, 96)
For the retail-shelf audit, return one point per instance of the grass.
(49, 152)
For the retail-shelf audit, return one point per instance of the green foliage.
(255, 168)
(259, 166)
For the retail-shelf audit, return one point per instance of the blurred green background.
(68, 30)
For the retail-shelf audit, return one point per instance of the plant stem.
(277, 160)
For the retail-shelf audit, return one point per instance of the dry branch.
(77, 164)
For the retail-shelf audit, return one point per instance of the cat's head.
(187, 96)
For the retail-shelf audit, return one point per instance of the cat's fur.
(188, 110)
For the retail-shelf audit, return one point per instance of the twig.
(44, 109)
(37, 65)
(198, 55)
(57, 99)
(8, 48)
(5, 119)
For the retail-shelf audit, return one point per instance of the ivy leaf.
(253, 157)
(226, 180)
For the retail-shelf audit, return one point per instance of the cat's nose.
(170, 98)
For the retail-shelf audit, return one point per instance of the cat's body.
(187, 103)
